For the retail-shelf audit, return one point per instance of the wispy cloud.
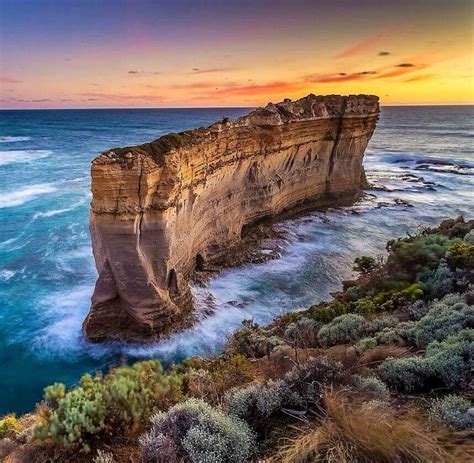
(406, 65)
(370, 43)
(255, 90)
(9, 80)
(339, 77)
(383, 53)
(135, 72)
(122, 97)
(419, 78)
(210, 70)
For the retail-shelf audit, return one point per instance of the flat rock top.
(308, 108)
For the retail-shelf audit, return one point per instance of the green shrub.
(259, 401)
(400, 335)
(342, 329)
(76, 416)
(9, 426)
(415, 254)
(133, 393)
(210, 379)
(364, 264)
(380, 323)
(469, 238)
(454, 411)
(193, 431)
(372, 386)
(300, 389)
(366, 344)
(461, 255)
(439, 281)
(445, 364)
(252, 341)
(327, 312)
(445, 318)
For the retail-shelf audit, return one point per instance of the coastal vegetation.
(381, 373)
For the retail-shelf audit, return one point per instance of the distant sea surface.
(420, 159)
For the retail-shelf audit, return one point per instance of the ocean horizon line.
(415, 105)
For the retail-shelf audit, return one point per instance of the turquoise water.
(421, 160)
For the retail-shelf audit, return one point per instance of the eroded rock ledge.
(163, 209)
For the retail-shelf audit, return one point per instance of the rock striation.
(162, 210)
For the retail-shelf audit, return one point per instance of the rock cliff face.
(164, 209)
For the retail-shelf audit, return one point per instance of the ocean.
(420, 162)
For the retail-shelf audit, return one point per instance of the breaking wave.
(15, 157)
(28, 193)
(8, 139)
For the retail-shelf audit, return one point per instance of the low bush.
(372, 386)
(439, 281)
(445, 364)
(299, 390)
(133, 393)
(410, 256)
(193, 431)
(121, 402)
(72, 418)
(326, 312)
(453, 410)
(342, 330)
(9, 426)
(210, 379)
(257, 402)
(252, 341)
(380, 323)
(445, 318)
(460, 255)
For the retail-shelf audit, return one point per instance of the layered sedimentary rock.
(164, 209)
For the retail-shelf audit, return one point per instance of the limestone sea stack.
(162, 210)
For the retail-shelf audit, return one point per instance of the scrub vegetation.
(381, 373)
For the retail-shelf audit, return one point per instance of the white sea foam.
(18, 197)
(54, 212)
(6, 275)
(8, 139)
(15, 157)
(64, 312)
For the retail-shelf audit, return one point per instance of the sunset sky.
(144, 53)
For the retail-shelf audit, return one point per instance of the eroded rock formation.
(162, 209)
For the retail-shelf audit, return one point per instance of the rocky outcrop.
(183, 202)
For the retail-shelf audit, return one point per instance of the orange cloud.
(270, 88)
(419, 78)
(340, 77)
(400, 71)
(371, 42)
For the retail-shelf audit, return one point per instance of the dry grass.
(380, 353)
(350, 433)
